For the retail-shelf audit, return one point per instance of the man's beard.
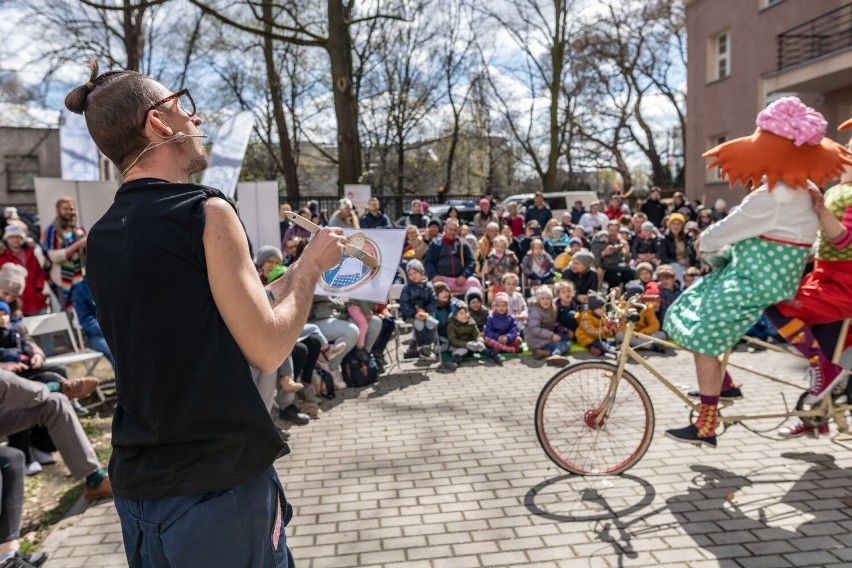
(198, 163)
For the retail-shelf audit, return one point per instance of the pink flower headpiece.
(790, 118)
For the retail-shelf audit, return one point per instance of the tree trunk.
(134, 34)
(285, 150)
(557, 58)
(339, 48)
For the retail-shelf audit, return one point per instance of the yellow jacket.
(648, 322)
(590, 327)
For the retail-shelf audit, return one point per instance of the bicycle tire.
(565, 410)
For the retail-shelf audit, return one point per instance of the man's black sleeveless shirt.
(189, 417)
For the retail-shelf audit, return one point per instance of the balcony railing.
(823, 35)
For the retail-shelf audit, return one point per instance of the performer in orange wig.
(809, 322)
(759, 250)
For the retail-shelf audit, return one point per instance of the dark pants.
(12, 503)
(305, 355)
(242, 526)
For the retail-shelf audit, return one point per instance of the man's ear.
(158, 127)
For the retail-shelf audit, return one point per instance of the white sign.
(351, 278)
(257, 204)
(79, 156)
(229, 149)
(359, 194)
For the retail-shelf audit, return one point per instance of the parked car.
(559, 201)
(467, 210)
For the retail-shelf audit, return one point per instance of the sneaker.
(450, 365)
(100, 491)
(334, 349)
(541, 353)
(411, 352)
(339, 383)
(494, 356)
(727, 394)
(33, 468)
(820, 384)
(288, 385)
(458, 360)
(79, 388)
(799, 429)
(24, 560)
(689, 435)
(425, 352)
(557, 360)
(44, 458)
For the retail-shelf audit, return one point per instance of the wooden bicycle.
(596, 418)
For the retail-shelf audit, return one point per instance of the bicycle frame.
(825, 409)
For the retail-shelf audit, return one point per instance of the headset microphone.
(181, 137)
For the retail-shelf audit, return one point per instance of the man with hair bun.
(184, 313)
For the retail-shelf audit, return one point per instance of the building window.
(715, 175)
(723, 55)
(21, 172)
(769, 3)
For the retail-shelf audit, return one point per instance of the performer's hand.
(818, 198)
(324, 249)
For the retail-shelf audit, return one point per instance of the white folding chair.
(400, 326)
(49, 324)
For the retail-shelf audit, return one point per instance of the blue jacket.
(445, 260)
(443, 315)
(417, 295)
(540, 215)
(497, 325)
(380, 221)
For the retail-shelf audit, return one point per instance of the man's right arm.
(264, 333)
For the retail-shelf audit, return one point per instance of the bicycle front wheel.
(567, 425)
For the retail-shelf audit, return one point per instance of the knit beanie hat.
(500, 297)
(634, 288)
(4, 307)
(415, 265)
(13, 278)
(14, 231)
(265, 253)
(439, 286)
(645, 266)
(595, 301)
(675, 217)
(585, 257)
(474, 294)
(648, 226)
(461, 306)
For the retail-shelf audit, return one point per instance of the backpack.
(359, 368)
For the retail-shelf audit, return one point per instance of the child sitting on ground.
(464, 337)
(670, 289)
(566, 310)
(581, 272)
(648, 323)
(517, 304)
(417, 305)
(501, 329)
(476, 307)
(540, 332)
(446, 307)
(592, 327)
(645, 272)
(537, 265)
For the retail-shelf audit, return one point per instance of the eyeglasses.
(185, 103)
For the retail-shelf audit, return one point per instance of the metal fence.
(394, 206)
(820, 36)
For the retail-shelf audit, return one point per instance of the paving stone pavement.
(433, 469)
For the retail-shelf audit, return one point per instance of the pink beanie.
(501, 297)
(790, 118)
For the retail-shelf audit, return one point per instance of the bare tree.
(312, 24)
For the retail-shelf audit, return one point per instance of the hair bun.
(75, 101)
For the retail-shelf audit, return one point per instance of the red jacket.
(32, 300)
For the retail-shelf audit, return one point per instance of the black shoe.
(727, 394)
(450, 365)
(690, 436)
(25, 560)
(494, 356)
(292, 414)
(379, 356)
(458, 360)
(411, 352)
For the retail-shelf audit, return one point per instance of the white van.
(558, 201)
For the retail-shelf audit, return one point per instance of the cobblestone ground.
(432, 469)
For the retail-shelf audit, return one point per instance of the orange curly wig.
(750, 158)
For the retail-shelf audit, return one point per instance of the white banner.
(359, 194)
(229, 149)
(351, 278)
(78, 154)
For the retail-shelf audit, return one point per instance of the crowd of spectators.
(513, 279)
